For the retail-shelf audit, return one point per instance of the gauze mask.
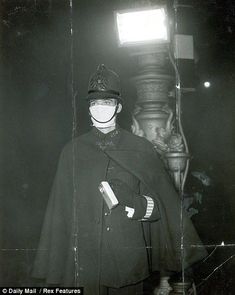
(103, 114)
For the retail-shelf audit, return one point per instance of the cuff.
(149, 208)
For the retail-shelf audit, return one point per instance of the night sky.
(44, 68)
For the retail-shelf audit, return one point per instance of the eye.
(107, 102)
(110, 102)
(92, 103)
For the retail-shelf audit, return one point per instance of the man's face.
(112, 102)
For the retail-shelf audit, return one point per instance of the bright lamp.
(142, 26)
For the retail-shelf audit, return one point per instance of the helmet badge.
(99, 81)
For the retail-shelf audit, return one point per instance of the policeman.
(108, 249)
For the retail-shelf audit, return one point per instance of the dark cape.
(69, 252)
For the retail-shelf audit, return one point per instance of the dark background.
(43, 70)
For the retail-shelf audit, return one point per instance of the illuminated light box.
(142, 26)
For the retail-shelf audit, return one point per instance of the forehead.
(103, 101)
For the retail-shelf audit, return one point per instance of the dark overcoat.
(76, 249)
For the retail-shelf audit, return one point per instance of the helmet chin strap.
(115, 112)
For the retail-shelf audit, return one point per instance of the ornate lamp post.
(154, 116)
(157, 114)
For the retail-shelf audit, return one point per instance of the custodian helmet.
(104, 84)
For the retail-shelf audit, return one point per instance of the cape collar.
(108, 140)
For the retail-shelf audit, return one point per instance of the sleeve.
(145, 207)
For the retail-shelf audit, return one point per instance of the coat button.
(105, 213)
(108, 228)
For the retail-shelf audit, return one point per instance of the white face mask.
(103, 113)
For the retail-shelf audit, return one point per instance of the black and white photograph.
(117, 149)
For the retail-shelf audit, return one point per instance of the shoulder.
(141, 146)
(78, 142)
(136, 142)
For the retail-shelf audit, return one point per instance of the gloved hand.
(123, 192)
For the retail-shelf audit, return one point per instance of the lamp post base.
(164, 288)
(180, 288)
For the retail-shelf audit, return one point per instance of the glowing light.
(142, 26)
(207, 84)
